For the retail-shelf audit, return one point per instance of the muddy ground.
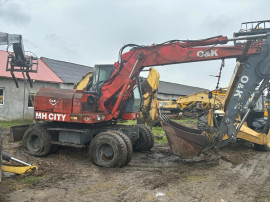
(235, 173)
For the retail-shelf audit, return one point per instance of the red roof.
(44, 72)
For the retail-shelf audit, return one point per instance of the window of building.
(2, 96)
(31, 98)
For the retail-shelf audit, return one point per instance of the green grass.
(30, 179)
(8, 124)
(129, 122)
(188, 122)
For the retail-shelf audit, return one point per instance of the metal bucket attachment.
(184, 142)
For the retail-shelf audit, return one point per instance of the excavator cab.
(102, 74)
(94, 79)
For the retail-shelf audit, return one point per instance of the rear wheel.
(151, 135)
(146, 139)
(37, 140)
(128, 144)
(108, 149)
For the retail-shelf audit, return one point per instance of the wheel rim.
(34, 143)
(105, 152)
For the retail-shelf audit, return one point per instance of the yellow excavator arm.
(150, 104)
(203, 98)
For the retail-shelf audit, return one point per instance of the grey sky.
(91, 32)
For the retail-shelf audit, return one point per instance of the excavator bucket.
(184, 142)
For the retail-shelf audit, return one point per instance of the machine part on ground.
(18, 61)
(26, 168)
(78, 117)
(6, 156)
(19, 170)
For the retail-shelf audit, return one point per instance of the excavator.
(89, 117)
(17, 61)
(196, 102)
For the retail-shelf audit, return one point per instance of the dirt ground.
(235, 173)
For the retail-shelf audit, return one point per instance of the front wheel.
(37, 140)
(108, 149)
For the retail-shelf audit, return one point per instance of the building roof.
(178, 89)
(44, 72)
(69, 72)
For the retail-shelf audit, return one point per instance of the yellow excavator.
(202, 100)
(195, 102)
(252, 125)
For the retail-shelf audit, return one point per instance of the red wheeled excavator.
(89, 117)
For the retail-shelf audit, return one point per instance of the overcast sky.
(91, 32)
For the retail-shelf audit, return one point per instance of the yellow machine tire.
(265, 147)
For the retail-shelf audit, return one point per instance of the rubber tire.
(150, 134)
(118, 145)
(260, 147)
(146, 139)
(45, 138)
(128, 144)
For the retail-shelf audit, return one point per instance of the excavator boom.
(132, 62)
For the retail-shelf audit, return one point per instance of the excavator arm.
(253, 56)
(172, 52)
(249, 74)
(149, 108)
